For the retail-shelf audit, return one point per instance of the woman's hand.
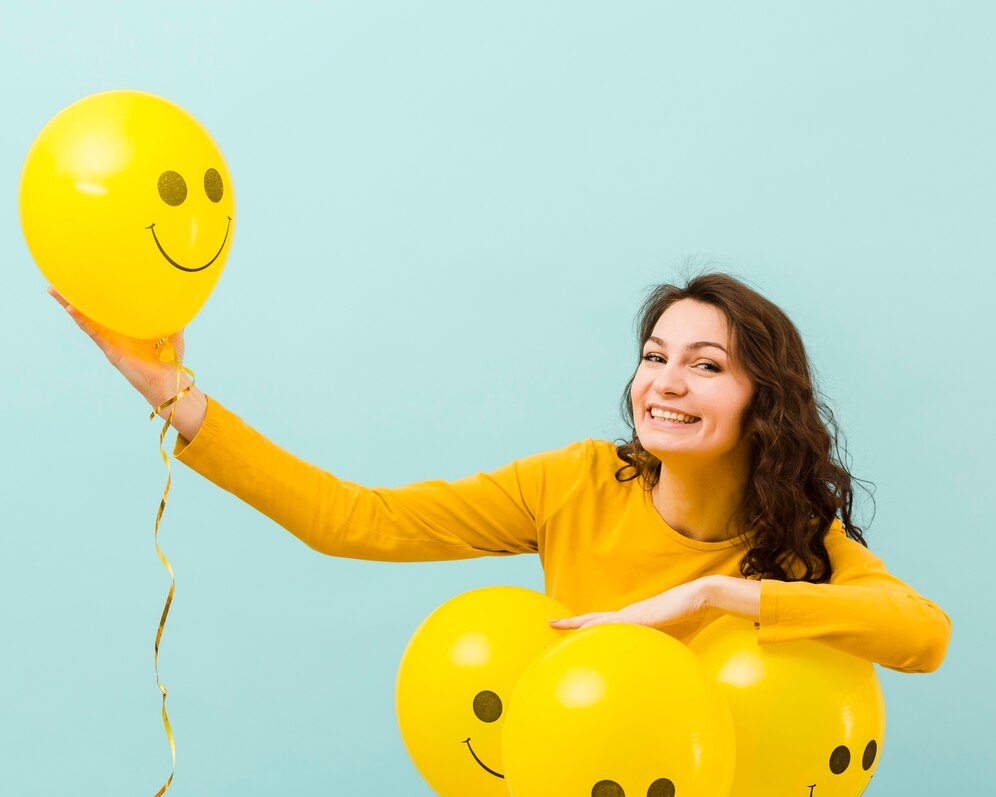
(140, 363)
(729, 595)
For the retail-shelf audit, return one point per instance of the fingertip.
(57, 296)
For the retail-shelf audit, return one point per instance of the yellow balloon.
(455, 681)
(618, 711)
(127, 207)
(810, 720)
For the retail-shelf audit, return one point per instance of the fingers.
(580, 621)
(81, 320)
(109, 341)
(600, 621)
(77, 316)
(57, 296)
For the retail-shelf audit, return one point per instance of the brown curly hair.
(798, 482)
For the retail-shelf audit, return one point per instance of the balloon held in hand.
(127, 207)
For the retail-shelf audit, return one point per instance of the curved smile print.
(173, 263)
(484, 766)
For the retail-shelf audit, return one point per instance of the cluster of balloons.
(127, 207)
(492, 702)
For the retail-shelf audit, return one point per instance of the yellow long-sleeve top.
(602, 543)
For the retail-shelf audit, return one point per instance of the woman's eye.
(711, 367)
(654, 357)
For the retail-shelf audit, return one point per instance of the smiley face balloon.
(618, 711)
(455, 681)
(809, 719)
(127, 207)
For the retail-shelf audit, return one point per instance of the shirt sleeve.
(863, 610)
(487, 513)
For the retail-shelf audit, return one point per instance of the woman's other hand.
(139, 362)
(736, 596)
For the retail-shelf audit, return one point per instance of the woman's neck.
(699, 499)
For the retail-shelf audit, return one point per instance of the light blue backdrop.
(448, 214)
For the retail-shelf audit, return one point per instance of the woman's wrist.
(740, 597)
(189, 412)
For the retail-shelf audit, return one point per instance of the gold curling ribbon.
(167, 354)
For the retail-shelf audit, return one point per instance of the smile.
(484, 766)
(668, 419)
(173, 263)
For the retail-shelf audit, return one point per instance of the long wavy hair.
(798, 481)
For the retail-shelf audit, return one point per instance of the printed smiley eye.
(214, 187)
(487, 706)
(662, 787)
(840, 759)
(871, 750)
(607, 788)
(172, 188)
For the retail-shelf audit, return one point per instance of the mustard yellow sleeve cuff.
(768, 614)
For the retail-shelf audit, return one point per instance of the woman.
(728, 498)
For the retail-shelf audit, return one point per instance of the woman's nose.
(670, 379)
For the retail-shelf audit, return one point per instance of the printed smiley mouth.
(484, 766)
(173, 263)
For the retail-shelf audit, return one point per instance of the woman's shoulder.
(590, 453)
(587, 460)
(603, 456)
(580, 471)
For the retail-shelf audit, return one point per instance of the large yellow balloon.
(455, 681)
(127, 207)
(618, 711)
(810, 720)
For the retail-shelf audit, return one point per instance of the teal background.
(448, 213)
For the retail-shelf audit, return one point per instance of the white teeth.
(672, 416)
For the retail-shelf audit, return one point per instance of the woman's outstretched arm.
(488, 513)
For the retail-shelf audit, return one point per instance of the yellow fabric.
(602, 543)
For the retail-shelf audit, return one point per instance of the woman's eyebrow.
(699, 344)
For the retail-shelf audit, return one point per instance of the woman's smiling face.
(689, 396)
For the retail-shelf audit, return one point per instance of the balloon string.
(166, 354)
